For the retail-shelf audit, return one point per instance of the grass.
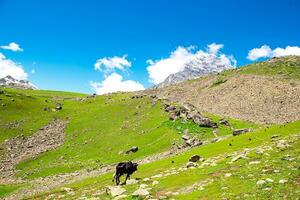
(238, 185)
(98, 130)
(7, 189)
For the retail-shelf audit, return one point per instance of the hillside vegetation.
(62, 145)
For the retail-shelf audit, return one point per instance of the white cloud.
(263, 52)
(159, 70)
(32, 71)
(9, 67)
(266, 52)
(12, 46)
(115, 83)
(214, 48)
(109, 64)
(278, 52)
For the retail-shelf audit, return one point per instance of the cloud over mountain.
(179, 59)
(9, 67)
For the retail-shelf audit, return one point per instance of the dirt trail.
(21, 148)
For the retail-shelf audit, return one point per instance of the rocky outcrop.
(188, 112)
(241, 131)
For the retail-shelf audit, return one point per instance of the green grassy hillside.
(229, 171)
(99, 130)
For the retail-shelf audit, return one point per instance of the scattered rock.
(283, 181)
(195, 158)
(132, 150)
(115, 190)
(224, 122)
(123, 196)
(240, 156)
(203, 121)
(241, 131)
(255, 162)
(260, 182)
(58, 106)
(193, 142)
(282, 145)
(155, 182)
(269, 180)
(157, 176)
(141, 192)
(185, 137)
(227, 174)
(191, 164)
(131, 181)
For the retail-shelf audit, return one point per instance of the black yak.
(122, 168)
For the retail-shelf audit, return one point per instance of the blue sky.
(62, 40)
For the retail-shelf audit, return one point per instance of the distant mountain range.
(196, 68)
(11, 82)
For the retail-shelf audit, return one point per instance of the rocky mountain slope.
(196, 68)
(11, 82)
(266, 92)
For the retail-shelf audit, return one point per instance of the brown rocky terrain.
(257, 98)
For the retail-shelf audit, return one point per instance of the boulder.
(283, 181)
(189, 107)
(195, 158)
(169, 108)
(46, 109)
(241, 131)
(131, 181)
(141, 192)
(224, 122)
(58, 106)
(190, 142)
(185, 137)
(173, 116)
(260, 182)
(191, 164)
(193, 142)
(203, 121)
(282, 145)
(132, 150)
(115, 190)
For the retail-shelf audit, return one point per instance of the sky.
(121, 45)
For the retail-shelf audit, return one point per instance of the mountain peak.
(197, 67)
(9, 81)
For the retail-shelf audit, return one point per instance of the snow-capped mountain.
(11, 82)
(199, 66)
